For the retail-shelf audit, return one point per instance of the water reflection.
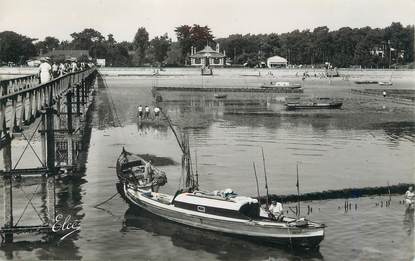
(68, 202)
(408, 221)
(225, 247)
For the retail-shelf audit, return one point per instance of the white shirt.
(156, 109)
(140, 108)
(74, 66)
(409, 195)
(54, 67)
(147, 109)
(44, 68)
(277, 209)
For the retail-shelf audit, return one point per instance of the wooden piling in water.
(7, 188)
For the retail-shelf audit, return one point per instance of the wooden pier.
(56, 111)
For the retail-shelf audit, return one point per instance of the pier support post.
(69, 111)
(69, 127)
(43, 138)
(78, 101)
(50, 197)
(8, 188)
(50, 140)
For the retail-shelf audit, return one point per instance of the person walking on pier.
(61, 69)
(44, 71)
(55, 70)
(74, 66)
(146, 112)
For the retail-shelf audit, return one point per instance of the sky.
(41, 18)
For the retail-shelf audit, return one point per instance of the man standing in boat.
(148, 172)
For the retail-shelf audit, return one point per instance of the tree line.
(366, 47)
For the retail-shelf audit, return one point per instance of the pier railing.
(22, 99)
(62, 106)
(17, 84)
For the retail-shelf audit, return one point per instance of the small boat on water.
(230, 214)
(220, 96)
(221, 211)
(206, 71)
(389, 83)
(315, 103)
(366, 82)
(130, 169)
(277, 85)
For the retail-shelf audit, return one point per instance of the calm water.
(370, 142)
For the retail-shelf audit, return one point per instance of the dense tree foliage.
(368, 47)
(15, 48)
(140, 44)
(159, 46)
(344, 47)
(48, 44)
(196, 36)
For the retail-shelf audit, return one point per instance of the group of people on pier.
(52, 69)
(144, 113)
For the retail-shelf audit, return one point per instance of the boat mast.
(197, 173)
(266, 180)
(181, 144)
(298, 193)
(185, 147)
(257, 185)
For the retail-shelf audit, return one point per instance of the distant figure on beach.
(156, 112)
(140, 111)
(410, 197)
(146, 112)
(45, 71)
(384, 94)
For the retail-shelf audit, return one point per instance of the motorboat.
(280, 84)
(220, 96)
(366, 82)
(388, 83)
(315, 103)
(230, 214)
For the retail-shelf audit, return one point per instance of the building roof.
(207, 52)
(276, 59)
(66, 53)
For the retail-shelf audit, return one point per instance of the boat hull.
(294, 236)
(337, 105)
(289, 87)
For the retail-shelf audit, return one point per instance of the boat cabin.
(231, 207)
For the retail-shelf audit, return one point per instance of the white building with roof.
(207, 57)
(277, 62)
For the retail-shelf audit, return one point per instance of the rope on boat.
(96, 206)
(114, 109)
